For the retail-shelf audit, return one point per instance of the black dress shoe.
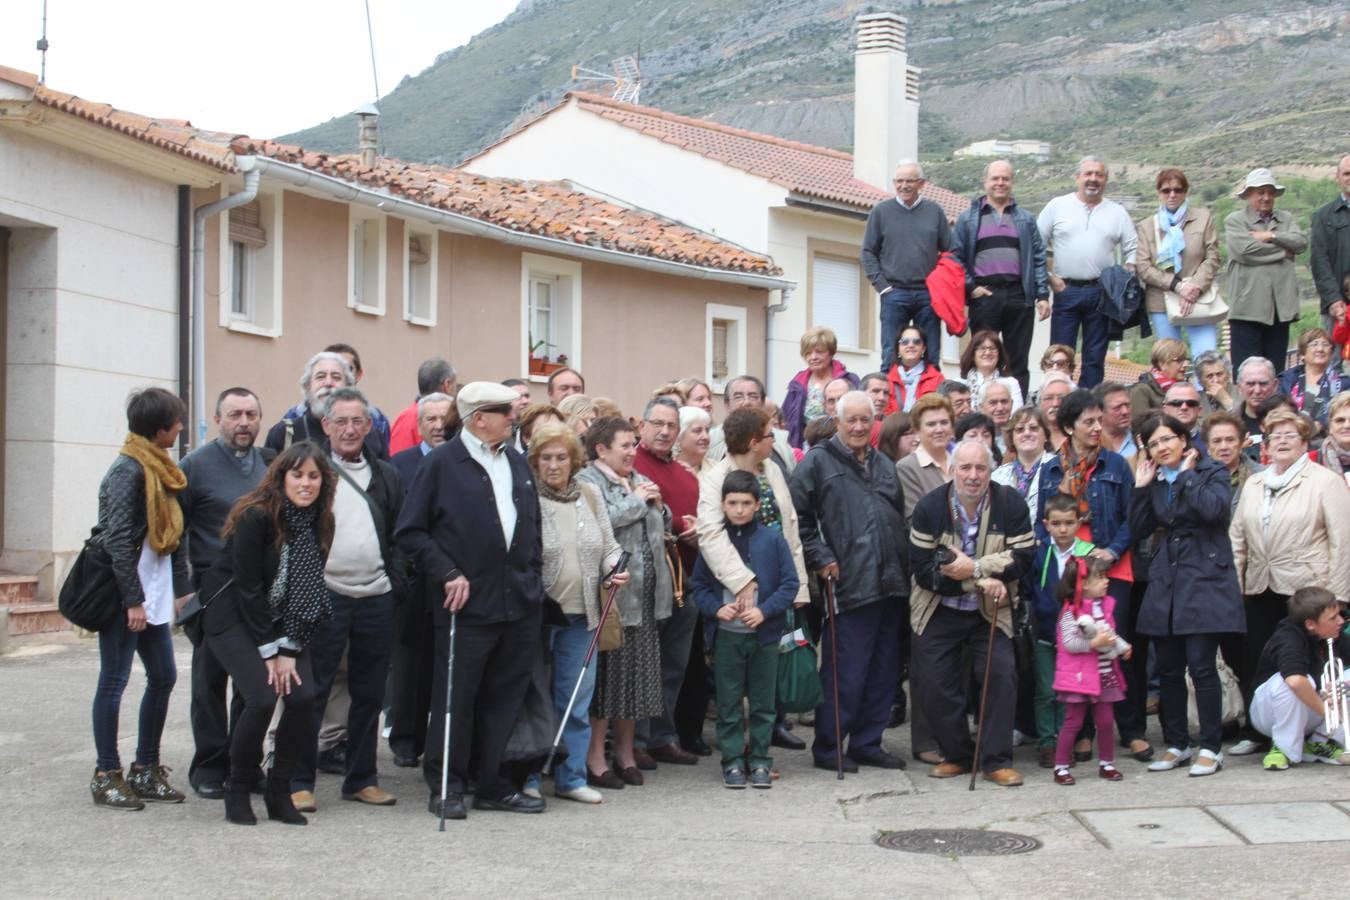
(517, 803)
(786, 739)
(454, 806)
(828, 764)
(210, 788)
(881, 760)
(405, 761)
(698, 747)
(333, 760)
(898, 716)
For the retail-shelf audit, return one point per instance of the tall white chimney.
(885, 99)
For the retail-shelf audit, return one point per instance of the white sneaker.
(1244, 747)
(1171, 759)
(1206, 763)
(583, 794)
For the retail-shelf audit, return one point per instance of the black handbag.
(190, 616)
(89, 597)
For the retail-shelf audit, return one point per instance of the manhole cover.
(958, 842)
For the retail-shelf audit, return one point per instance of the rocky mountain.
(1210, 84)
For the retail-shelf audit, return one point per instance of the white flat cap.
(477, 395)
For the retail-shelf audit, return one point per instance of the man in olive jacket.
(1330, 255)
(850, 511)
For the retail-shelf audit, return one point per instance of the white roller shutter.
(834, 298)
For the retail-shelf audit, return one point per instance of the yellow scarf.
(163, 479)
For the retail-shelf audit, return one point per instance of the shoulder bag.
(611, 629)
(799, 687)
(89, 597)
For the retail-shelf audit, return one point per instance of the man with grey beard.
(324, 373)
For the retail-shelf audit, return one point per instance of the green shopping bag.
(798, 681)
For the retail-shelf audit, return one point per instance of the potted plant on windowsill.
(539, 364)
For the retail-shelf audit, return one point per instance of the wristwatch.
(979, 571)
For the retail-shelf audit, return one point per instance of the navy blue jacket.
(766, 553)
(1030, 249)
(1109, 488)
(407, 462)
(450, 523)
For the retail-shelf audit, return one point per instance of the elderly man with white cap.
(471, 520)
(1262, 292)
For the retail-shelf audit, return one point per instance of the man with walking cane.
(472, 517)
(970, 541)
(850, 509)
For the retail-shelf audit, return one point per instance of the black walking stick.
(449, 698)
(830, 617)
(619, 566)
(984, 689)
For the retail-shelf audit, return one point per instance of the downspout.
(785, 294)
(199, 217)
(184, 307)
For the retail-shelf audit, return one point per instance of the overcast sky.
(257, 68)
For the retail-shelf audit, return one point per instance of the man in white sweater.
(362, 579)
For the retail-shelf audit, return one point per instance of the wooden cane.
(984, 689)
(830, 616)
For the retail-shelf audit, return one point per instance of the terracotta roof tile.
(802, 168)
(549, 208)
(175, 135)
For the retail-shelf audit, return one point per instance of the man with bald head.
(1001, 247)
(1330, 256)
(833, 391)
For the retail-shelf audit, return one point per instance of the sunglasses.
(1171, 190)
(1178, 404)
(911, 342)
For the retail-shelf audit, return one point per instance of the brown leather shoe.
(643, 759)
(372, 794)
(673, 754)
(303, 801)
(631, 776)
(1063, 776)
(948, 770)
(1047, 757)
(1004, 777)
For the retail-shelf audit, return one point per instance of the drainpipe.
(184, 309)
(784, 295)
(199, 217)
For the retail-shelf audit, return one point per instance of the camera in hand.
(944, 555)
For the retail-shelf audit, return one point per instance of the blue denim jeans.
(900, 307)
(1199, 338)
(117, 645)
(569, 652)
(1075, 308)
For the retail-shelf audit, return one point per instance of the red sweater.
(679, 491)
(405, 433)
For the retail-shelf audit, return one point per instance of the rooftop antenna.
(374, 72)
(42, 45)
(625, 79)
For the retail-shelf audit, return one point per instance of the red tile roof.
(801, 168)
(175, 135)
(548, 208)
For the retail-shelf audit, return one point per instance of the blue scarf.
(1173, 242)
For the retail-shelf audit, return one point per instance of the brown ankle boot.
(111, 790)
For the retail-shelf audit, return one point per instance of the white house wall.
(92, 315)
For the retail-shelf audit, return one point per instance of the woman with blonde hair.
(1169, 359)
(805, 398)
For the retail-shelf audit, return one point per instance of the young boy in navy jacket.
(745, 649)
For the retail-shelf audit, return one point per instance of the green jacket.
(1261, 286)
(1330, 257)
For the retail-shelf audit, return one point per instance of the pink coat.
(1077, 673)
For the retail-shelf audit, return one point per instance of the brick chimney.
(368, 135)
(885, 99)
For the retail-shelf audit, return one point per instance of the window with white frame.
(836, 298)
(366, 262)
(250, 270)
(419, 277)
(725, 342)
(551, 312)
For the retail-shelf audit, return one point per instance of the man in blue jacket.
(1001, 248)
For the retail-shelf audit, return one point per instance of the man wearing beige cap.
(471, 521)
(1262, 292)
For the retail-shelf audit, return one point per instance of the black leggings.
(238, 654)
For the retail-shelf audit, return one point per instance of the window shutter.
(246, 225)
(835, 298)
(720, 332)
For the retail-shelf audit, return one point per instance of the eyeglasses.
(1284, 436)
(1162, 439)
(1030, 428)
(766, 437)
(753, 396)
(353, 422)
(1171, 190)
(1057, 364)
(908, 180)
(987, 348)
(911, 342)
(663, 426)
(1178, 404)
(1319, 345)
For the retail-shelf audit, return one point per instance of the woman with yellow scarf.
(141, 526)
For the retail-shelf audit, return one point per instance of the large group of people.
(567, 591)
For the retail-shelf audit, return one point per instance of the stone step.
(36, 618)
(16, 590)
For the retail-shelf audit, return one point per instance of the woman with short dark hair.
(1178, 253)
(141, 526)
(984, 361)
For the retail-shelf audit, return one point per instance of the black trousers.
(211, 726)
(410, 678)
(692, 705)
(1250, 339)
(937, 656)
(492, 672)
(1264, 612)
(1131, 713)
(1007, 312)
(238, 655)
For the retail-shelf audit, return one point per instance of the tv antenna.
(42, 45)
(625, 79)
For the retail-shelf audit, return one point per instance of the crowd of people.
(512, 592)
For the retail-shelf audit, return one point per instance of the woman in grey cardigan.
(628, 686)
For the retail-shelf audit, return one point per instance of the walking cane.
(830, 615)
(984, 689)
(449, 697)
(619, 566)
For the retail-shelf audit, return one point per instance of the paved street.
(681, 835)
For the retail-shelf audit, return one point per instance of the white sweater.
(355, 567)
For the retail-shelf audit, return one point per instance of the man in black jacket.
(983, 531)
(850, 510)
(364, 578)
(472, 523)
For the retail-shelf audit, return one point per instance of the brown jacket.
(1199, 261)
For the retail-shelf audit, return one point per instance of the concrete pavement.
(681, 835)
